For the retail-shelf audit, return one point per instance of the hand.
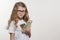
(27, 29)
(28, 32)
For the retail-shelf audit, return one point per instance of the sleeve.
(11, 27)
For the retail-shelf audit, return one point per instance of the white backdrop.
(45, 15)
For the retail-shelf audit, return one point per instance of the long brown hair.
(14, 14)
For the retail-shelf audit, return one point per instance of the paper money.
(28, 24)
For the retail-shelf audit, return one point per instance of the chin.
(20, 17)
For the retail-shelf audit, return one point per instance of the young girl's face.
(20, 12)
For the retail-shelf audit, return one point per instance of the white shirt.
(18, 34)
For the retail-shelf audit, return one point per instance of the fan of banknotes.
(24, 26)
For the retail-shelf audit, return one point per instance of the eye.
(20, 10)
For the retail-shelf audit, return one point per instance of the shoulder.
(12, 22)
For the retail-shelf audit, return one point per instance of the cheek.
(18, 14)
(23, 14)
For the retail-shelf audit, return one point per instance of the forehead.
(21, 8)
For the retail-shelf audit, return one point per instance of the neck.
(19, 19)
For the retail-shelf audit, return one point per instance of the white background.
(45, 15)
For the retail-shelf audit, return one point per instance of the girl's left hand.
(27, 29)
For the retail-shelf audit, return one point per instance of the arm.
(11, 30)
(11, 36)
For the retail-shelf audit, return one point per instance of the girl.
(18, 17)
